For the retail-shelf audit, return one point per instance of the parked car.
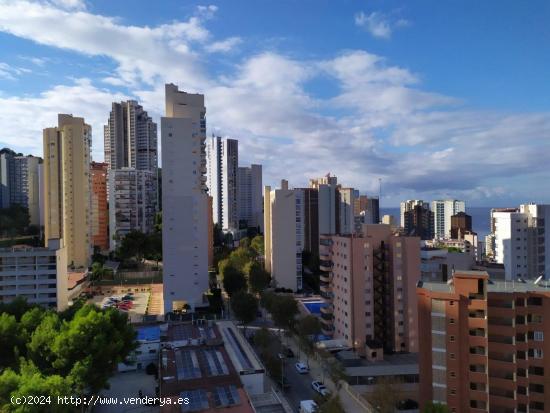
(301, 368)
(320, 388)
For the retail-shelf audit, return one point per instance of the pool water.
(314, 307)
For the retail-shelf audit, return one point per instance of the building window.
(539, 336)
(452, 339)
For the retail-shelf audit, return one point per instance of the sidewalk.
(350, 403)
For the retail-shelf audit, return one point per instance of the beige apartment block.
(369, 283)
(67, 187)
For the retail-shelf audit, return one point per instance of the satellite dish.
(538, 280)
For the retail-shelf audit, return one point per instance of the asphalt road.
(300, 384)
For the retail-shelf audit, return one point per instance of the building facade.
(67, 187)
(37, 274)
(408, 205)
(368, 282)
(419, 221)
(185, 200)
(25, 190)
(250, 201)
(520, 236)
(222, 164)
(132, 202)
(443, 211)
(461, 223)
(284, 235)
(485, 344)
(100, 210)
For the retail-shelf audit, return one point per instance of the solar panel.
(198, 400)
(187, 365)
(239, 351)
(215, 363)
(226, 396)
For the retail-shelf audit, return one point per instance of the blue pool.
(314, 307)
(150, 333)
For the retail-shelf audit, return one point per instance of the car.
(281, 356)
(320, 388)
(301, 368)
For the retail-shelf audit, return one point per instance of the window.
(451, 321)
(539, 336)
(452, 339)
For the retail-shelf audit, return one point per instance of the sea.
(481, 218)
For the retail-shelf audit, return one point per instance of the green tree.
(258, 278)
(11, 340)
(267, 300)
(240, 257)
(431, 407)
(263, 339)
(284, 310)
(233, 280)
(215, 301)
(133, 245)
(306, 327)
(245, 306)
(332, 405)
(385, 395)
(257, 244)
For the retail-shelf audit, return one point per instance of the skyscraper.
(284, 235)
(100, 211)
(132, 202)
(249, 190)
(419, 221)
(346, 209)
(327, 203)
(130, 138)
(443, 211)
(222, 163)
(185, 200)
(461, 223)
(408, 205)
(6, 173)
(67, 187)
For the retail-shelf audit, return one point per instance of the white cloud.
(379, 24)
(224, 45)
(387, 126)
(70, 4)
(9, 72)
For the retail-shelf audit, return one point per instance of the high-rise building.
(443, 211)
(461, 223)
(419, 221)
(222, 163)
(130, 138)
(24, 189)
(368, 282)
(409, 205)
(520, 236)
(6, 173)
(311, 220)
(368, 206)
(100, 210)
(284, 235)
(37, 274)
(132, 202)
(250, 201)
(483, 344)
(346, 210)
(184, 200)
(328, 205)
(67, 187)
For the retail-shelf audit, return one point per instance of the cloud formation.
(379, 24)
(380, 122)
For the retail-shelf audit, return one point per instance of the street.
(300, 384)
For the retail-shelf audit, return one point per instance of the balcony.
(478, 350)
(327, 295)
(477, 332)
(325, 265)
(496, 338)
(325, 277)
(504, 357)
(327, 309)
(327, 317)
(501, 321)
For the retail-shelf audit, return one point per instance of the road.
(300, 384)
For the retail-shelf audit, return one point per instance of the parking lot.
(135, 310)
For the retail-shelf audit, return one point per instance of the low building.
(37, 274)
(438, 264)
(484, 344)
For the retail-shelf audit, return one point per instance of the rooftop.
(392, 365)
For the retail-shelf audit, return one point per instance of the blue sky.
(438, 99)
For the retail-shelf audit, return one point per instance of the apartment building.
(368, 206)
(284, 235)
(368, 282)
(185, 200)
(250, 192)
(132, 202)
(37, 274)
(67, 187)
(346, 210)
(99, 208)
(408, 205)
(485, 348)
(443, 211)
(419, 221)
(461, 223)
(222, 164)
(328, 205)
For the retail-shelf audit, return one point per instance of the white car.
(319, 388)
(301, 368)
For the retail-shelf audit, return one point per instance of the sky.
(432, 99)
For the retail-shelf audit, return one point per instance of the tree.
(258, 278)
(245, 306)
(215, 301)
(332, 405)
(233, 280)
(385, 395)
(263, 339)
(306, 327)
(133, 245)
(267, 300)
(98, 271)
(11, 340)
(240, 257)
(432, 407)
(257, 244)
(284, 310)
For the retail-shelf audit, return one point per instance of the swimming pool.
(148, 333)
(314, 307)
